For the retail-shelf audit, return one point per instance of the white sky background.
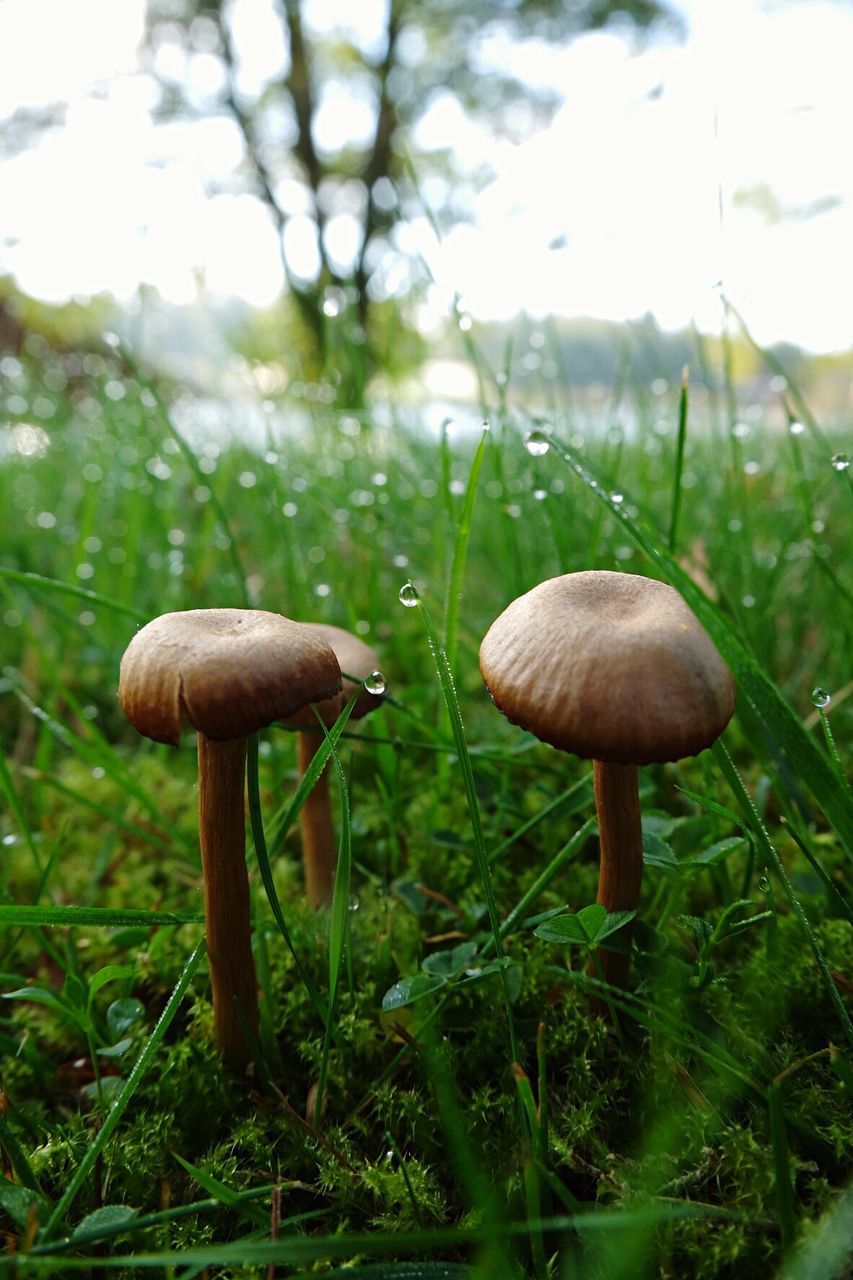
(626, 178)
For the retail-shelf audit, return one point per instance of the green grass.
(422, 1106)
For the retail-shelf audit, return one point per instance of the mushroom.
(319, 847)
(227, 673)
(613, 667)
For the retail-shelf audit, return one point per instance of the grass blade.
(100, 917)
(338, 926)
(42, 583)
(460, 553)
(298, 1250)
(262, 854)
(784, 1190)
(759, 831)
(679, 464)
(448, 690)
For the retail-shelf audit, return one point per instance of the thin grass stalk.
(41, 583)
(760, 832)
(781, 1165)
(262, 854)
(338, 926)
(300, 1250)
(118, 1108)
(675, 511)
(460, 554)
(445, 677)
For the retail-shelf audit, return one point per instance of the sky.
(721, 161)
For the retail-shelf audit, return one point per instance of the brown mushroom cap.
(356, 659)
(225, 672)
(609, 666)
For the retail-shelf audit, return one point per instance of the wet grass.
(432, 1095)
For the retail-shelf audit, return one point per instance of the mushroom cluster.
(226, 673)
(608, 666)
(613, 667)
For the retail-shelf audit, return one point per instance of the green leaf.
(17, 1201)
(408, 990)
(116, 1050)
(715, 853)
(124, 1014)
(452, 960)
(657, 853)
(109, 973)
(588, 927)
(411, 894)
(38, 995)
(565, 929)
(110, 1217)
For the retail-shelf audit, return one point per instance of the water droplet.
(797, 428)
(465, 323)
(354, 903)
(536, 443)
(821, 697)
(617, 498)
(408, 596)
(740, 430)
(840, 462)
(764, 884)
(375, 683)
(540, 494)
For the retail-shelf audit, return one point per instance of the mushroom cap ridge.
(225, 672)
(608, 666)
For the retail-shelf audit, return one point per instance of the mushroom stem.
(222, 837)
(319, 850)
(617, 803)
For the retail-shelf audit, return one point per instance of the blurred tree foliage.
(391, 62)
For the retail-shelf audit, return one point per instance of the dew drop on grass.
(796, 428)
(536, 443)
(375, 683)
(617, 498)
(408, 596)
(840, 462)
(821, 697)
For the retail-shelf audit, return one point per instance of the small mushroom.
(319, 847)
(226, 673)
(613, 667)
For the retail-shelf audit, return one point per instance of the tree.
(367, 185)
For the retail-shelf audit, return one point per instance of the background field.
(478, 1115)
